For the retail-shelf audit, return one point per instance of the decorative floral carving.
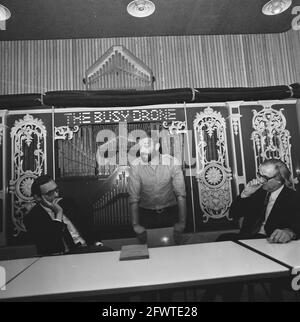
(235, 125)
(213, 173)
(65, 132)
(1, 134)
(28, 133)
(25, 186)
(270, 137)
(213, 176)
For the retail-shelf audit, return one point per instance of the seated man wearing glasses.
(269, 206)
(48, 221)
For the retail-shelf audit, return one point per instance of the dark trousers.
(165, 217)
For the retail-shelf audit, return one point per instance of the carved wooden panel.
(270, 137)
(28, 161)
(213, 172)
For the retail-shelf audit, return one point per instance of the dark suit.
(49, 236)
(284, 214)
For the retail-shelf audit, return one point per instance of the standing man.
(48, 221)
(157, 193)
(269, 205)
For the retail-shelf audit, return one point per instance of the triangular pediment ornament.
(118, 68)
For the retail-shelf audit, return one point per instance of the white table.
(15, 267)
(288, 254)
(168, 267)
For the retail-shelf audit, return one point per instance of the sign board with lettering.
(138, 115)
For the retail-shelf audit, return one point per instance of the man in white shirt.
(269, 205)
(157, 194)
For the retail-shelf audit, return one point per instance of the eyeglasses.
(50, 193)
(264, 177)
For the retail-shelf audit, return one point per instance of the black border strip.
(264, 255)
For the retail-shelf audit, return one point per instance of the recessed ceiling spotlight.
(141, 8)
(275, 7)
(4, 13)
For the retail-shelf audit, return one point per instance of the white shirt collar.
(276, 193)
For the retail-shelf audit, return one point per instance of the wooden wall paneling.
(176, 61)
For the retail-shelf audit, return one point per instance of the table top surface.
(167, 267)
(14, 267)
(288, 254)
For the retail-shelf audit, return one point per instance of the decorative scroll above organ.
(65, 132)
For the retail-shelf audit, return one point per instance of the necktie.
(266, 202)
(262, 217)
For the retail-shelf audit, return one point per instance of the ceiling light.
(275, 7)
(141, 8)
(4, 13)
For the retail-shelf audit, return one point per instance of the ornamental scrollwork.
(270, 137)
(176, 127)
(212, 165)
(28, 161)
(1, 134)
(235, 125)
(65, 132)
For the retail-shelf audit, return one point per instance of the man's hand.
(281, 236)
(251, 187)
(179, 227)
(141, 233)
(54, 206)
(138, 229)
(57, 209)
(178, 230)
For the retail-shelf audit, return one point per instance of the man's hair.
(282, 171)
(38, 182)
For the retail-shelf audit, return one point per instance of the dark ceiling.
(60, 19)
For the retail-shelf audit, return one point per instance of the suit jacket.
(284, 214)
(48, 235)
